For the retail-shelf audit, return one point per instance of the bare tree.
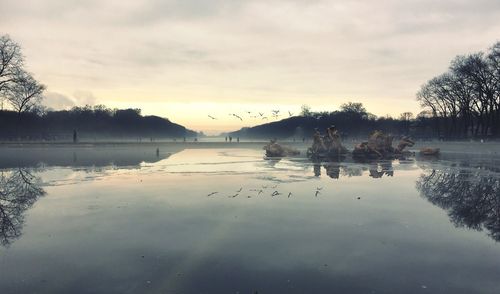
(466, 99)
(406, 118)
(24, 93)
(11, 61)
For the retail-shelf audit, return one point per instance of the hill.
(352, 121)
(96, 122)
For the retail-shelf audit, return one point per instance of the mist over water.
(208, 218)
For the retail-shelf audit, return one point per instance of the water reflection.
(470, 193)
(84, 156)
(336, 169)
(469, 190)
(19, 190)
(381, 168)
(156, 230)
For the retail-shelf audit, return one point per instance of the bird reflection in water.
(19, 190)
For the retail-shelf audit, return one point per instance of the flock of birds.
(274, 113)
(262, 190)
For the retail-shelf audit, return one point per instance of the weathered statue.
(274, 149)
(329, 145)
(403, 143)
(379, 145)
(318, 143)
(335, 143)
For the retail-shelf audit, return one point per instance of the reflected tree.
(332, 169)
(469, 195)
(19, 190)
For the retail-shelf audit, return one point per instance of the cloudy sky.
(186, 59)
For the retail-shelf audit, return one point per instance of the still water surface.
(224, 220)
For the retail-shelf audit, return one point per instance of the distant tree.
(305, 110)
(406, 118)
(11, 61)
(25, 93)
(353, 107)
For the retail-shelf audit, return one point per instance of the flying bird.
(211, 117)
(265, 117)
(289, 194)
(290, 114)
(237, 116)
(240, 189)
(261, 114)
(213, 193)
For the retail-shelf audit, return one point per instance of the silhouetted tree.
(305, 110)
(24, 93)
(11, 61)
(465, 100)
(353, 107)
(406, 118)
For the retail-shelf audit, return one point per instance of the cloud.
(84, 98)
(56, 100)
(60, 101)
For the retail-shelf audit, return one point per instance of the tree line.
(465, 101)
(89, 122)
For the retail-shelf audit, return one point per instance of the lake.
(219, 218)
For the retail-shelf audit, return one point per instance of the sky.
(187, 59)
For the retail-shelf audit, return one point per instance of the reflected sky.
(421, 225)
